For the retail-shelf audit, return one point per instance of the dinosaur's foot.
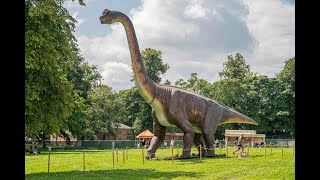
(210, 153)
(185, 155)
(150, 155)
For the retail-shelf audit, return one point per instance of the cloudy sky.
(193, 35)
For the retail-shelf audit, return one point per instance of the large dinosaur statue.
(195, 115)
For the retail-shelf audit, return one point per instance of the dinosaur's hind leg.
(183, 123)
(197, 141)
(209, 126)
(208, 139)
(158, 138)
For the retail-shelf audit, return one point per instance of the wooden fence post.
(248, 148)
(84, 162)
(200, 152)
(271, 147)
(49, 163)
(112, 157)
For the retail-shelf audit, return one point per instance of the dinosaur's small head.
(109, 17)
(106, 17)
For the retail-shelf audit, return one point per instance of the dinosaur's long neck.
(145, 84)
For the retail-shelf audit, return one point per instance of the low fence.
(109, 144)
(123, 155)
(95, 144)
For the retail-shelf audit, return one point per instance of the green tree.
(154, 65)
(50, 53)
(194, 84)
(181, 83)
(85, 78)
(230, 90)
(105, 109)
(287, 79)
(235, 67)
(269, 101)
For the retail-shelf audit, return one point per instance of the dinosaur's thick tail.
(232, 116)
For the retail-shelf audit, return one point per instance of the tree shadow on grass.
(141, 174)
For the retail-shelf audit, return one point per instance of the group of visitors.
(165, 144)
(258, 145)
(32, 150)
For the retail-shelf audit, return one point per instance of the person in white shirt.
(240, 146)
(172, 143)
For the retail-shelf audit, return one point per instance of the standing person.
(239, 142)
(261, 143)
(172, 143)
(143, 143)
(165, 144)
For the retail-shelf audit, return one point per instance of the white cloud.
(116, 73)
(160, 20)
(217, 15)
(113, 47)
(272, 25)
(189, 44)
(79, 20)
(195, 10)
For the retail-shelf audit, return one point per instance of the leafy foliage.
(56, 77)
(154, 65)
(105, 109)
(235, 67)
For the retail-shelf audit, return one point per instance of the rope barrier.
(89, 157)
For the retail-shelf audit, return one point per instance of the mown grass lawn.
(98, 165)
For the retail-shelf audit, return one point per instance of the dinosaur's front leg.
(158, 138)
